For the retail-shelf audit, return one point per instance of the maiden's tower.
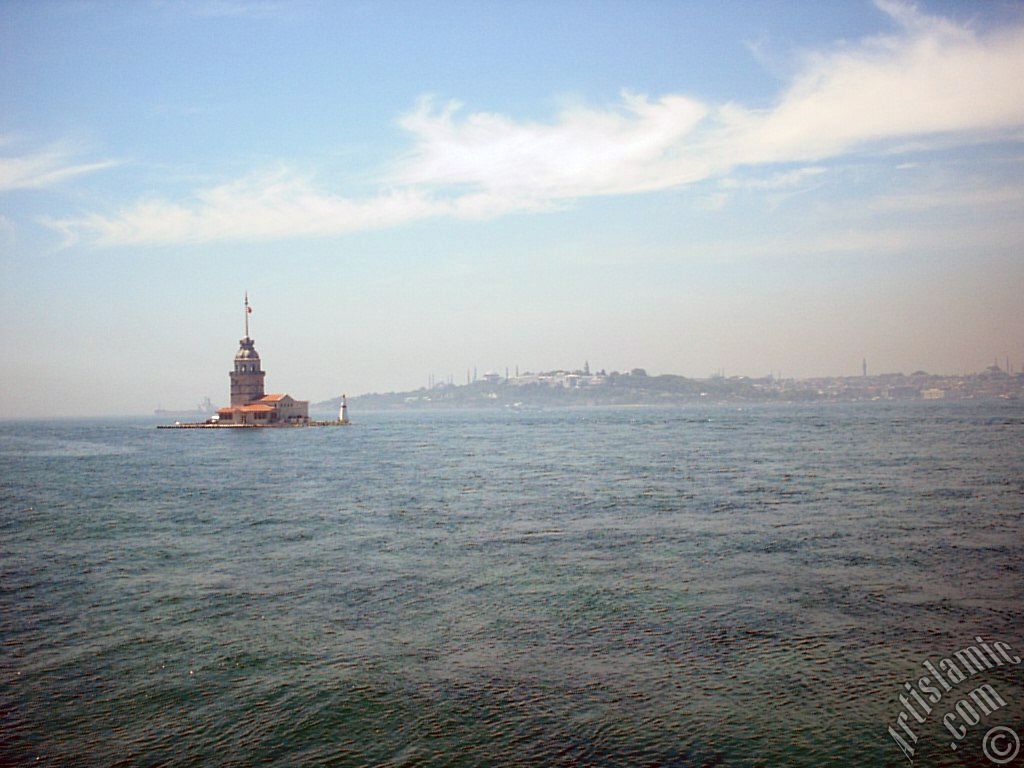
(250, 405)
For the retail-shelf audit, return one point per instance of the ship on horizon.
(203, 410)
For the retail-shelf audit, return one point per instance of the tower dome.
(247, 351)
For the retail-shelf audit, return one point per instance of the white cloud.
(935, 78)
(44, 168)
(932, 81)
(619, 150)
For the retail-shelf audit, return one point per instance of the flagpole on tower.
(247, 311)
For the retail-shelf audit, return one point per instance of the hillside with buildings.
(635, 387)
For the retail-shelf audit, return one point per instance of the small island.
(250, 406)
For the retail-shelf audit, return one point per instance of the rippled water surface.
(691, 587)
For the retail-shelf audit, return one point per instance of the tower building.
(250, 405)
(247, 378)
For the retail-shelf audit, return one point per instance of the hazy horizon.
(440, 381)
(416, 189)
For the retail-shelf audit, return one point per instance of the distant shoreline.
(636, 389)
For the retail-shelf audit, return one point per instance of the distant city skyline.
(408, 190)
(434, 379)
(581, 387)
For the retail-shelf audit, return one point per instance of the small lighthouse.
(343, 413)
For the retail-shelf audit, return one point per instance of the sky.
(408, 189)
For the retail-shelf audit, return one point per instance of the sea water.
(699, 586)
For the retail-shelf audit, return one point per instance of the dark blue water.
(692, 587)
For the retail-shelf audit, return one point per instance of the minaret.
(247, 378)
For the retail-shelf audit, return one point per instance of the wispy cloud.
(882, 241)
(931, 81)
(776, 181)
(240, 9)
(42, 168)
(989, 198)
(259, 207)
